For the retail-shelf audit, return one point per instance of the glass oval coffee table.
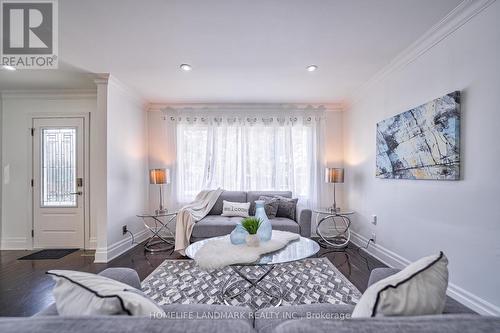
(241, 282)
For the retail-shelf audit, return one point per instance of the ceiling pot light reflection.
(186, 67)
(9, 68)
(311, 68)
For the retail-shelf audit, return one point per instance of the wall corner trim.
(459, 16)
(394, 260)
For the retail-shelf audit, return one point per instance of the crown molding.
(329, 107)
(110, 80)
(50, 94)
(102, 78)
(459, 16)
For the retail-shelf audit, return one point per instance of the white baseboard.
(394, 260)
(472, 301)
(14, 243)
(386, 256)
(120, 247)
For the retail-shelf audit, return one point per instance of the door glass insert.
(58, 167)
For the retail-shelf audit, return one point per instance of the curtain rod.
(246, 107)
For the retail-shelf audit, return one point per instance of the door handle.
(77, 193)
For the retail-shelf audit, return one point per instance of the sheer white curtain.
(249, 152)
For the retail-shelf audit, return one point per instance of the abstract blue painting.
(422, 143)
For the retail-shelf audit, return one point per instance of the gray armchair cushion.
(123, 274)
(120, 324)
(266, 320)
(381, 273)
(198, 311)
(418, 324)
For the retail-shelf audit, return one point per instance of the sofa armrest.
(380, 273)
(304, 216)
(124, 275)
(267, 319)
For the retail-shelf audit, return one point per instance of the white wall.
(162, 154)
(126, 169)
(18, 110)
(417, 218)
(1, 164)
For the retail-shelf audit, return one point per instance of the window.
(244, 157)
(58, 167)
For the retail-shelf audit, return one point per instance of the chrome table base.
(242, 284)
(159, 242)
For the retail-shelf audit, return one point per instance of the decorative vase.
(252, 240)
(265, 229)
(238, 235)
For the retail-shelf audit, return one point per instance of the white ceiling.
(240, 50)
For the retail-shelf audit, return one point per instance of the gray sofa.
(214, 224)
(286, 319)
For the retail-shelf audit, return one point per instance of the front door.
(58, 193)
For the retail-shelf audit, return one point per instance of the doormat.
(48, 254)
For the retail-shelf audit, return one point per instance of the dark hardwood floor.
(25, 289)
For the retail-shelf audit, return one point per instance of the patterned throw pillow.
(270, 206)
(86, 294)
(287, 207)
(235, 208)
(417, 290)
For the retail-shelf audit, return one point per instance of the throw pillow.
(287, 207)
(419, 289)
(235, 208)
(270, 206)
(86, 294)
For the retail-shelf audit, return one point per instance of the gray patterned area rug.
(307, 281)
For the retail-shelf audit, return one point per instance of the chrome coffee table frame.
(296, 250)
(235, 280)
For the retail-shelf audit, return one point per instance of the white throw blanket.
(192, 213)
(220, 252)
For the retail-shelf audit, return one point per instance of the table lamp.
(334, 175)
(159, 177)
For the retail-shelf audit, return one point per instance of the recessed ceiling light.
(9, 68)
(311, 68)
(186, 67)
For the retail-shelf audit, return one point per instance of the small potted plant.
(252, 224)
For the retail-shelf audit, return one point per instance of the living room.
(274, 165)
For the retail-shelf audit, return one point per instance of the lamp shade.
(334, 175)
(159, 176)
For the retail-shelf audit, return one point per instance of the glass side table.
(162, 238)
(339, 223)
